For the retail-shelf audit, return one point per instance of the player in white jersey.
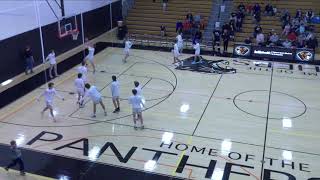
(138, 88)
(197, 57)
(90, 56)
(53, 63)
(180, 42)
(127, 47)
(115, 92)
(79, 84)
(84, 71)
(95, 96)
(176, 53)
(137, 105)
(49, 95)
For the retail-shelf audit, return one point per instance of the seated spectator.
(197, 18)
(268, 10)
(268, 38)
(301, 41)
(298, 13)
(292, 36)
(312, 43)
(256, 8)
(241, 7)
(301, 29)
(164, 5)
(286, 44)
(179, 26)
(309, 15)
(275, 10)
(257, 17)
(274, 39)
(249, 9)
(260, 39)
(189, 16)
(286, 30)
(163, 31)
(257, 30)
(248, 40)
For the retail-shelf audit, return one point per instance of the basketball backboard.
(67, 26)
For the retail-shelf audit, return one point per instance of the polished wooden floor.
(232, 125)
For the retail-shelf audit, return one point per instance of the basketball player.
(16, 158)
(115, 91)
(196, 47)
(96, 98)
(138, 88)
(127, 47)
(53, 63)
(49, 95)
(176, 52)
(180, 41)
(79, 84)
(84, 71)
(137, 105)
(90, 56)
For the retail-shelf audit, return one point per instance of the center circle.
(280, 105)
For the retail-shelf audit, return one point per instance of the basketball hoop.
(75, 35)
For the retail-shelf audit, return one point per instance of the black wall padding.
(96, 22)
(12, 60)
(116, 13)
(51, 40)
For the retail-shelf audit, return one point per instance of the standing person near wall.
(225, 37)
(53, 63)
(29, 59)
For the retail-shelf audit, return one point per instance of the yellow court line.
(180, 158)
(38, 177)
(30, 101)
(295, 134)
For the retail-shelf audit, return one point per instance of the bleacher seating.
(147, 16)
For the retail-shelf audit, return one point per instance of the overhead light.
(4, 83)
(150, 165)
(167, 137)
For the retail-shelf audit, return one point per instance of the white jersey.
(128, 45)
(136, 102)
(176, 50)
(180, 41)
(139, 90)
(197, 49)
(79, 84)
(94, 94)
(52, 58)
(115, 91)
(49, 95)
(84, 71)
(91, 52)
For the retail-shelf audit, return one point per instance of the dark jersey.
(216, 35)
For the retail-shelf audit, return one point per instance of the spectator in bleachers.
(257, 30)
(189, 16)
(292, 36)
(298, 13)
(260, 39)
(248, 40)
(29, 59)
(197, 18)
(268, 42)
(197, 37)
(301, 41)
(286, 44)
(232, 30)
(225, 37)
(312, 43)
(239, 22)
(275, 10)
(241, 7)
(226, 26)
(256, 8)
(249, 9)
(285, 18)
(301, 29)
(257, 17)
(309, 15)
(268, 10)
(179, 26)
(286, 30)
(274, 39)
(216, 41)
(163, 31)
(164, 5)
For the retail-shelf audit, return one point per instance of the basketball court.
(197, 125)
